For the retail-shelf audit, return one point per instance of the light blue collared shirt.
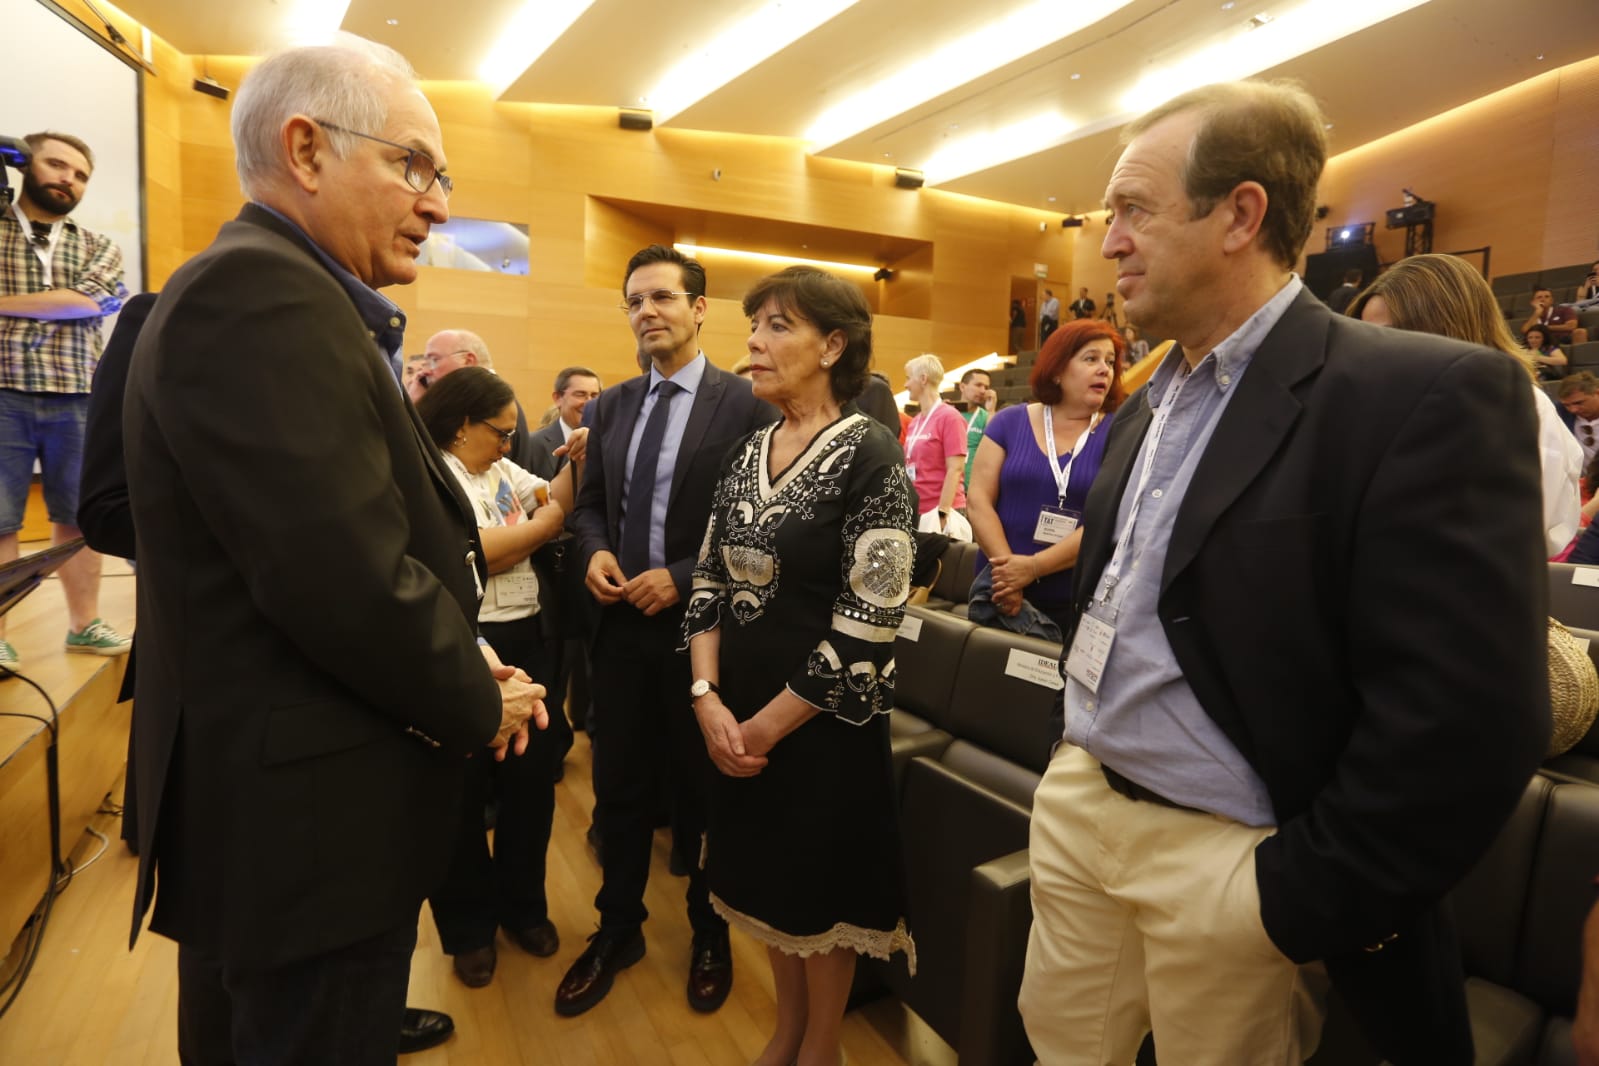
(1145, 722)
(384, 321)
(688, 379)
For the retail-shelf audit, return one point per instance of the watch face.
(699, 688)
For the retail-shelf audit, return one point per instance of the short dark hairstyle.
(1066, 342)
(966, 378)
(571, 372)
(829, 304)
(1272, 133)
(1352, 277)
(693, 273)
(1526, 338)
(35, 142)
(1543, 288)
(470, 394)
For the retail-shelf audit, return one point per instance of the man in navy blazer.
(656, 449)
(1306, 678)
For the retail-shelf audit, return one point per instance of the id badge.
(1055, 524)
(516, 590)
(1085, 663)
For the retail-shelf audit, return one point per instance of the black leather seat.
(1571, 600)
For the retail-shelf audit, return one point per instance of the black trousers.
(482, 891)
(342, 1008)
(645, 738)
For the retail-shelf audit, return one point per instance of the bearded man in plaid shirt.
(58, 281)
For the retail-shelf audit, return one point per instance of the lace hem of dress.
(878, 943)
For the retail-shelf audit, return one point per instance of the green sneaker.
(97, 638)
(9, 657)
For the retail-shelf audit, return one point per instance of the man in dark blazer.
(1306, 680)
(575, 388)
(657, 447)
(309, 678)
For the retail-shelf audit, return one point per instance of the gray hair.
(926, 366)
(343, 83)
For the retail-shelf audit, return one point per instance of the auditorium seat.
(1514, 283)
(1585, 355)
(1574, 595)
(1565, 277)
(954, 583)
(927, 653)
(965, 815)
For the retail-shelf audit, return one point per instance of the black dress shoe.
(590, 977)
(475, 968)
(422, 1029)
(710, 971)
(541, 940)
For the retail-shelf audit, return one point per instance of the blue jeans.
(46, 427)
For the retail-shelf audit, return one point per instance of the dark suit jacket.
(1355, 590)
(309, 681)
(540, 451)
(724, 411)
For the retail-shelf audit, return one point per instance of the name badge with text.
(1085, 663)
(1055, 524)
(516, 590)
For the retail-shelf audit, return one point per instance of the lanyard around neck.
(45, 251)
(1157, 430)
(1063, 474)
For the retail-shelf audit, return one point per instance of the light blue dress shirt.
(1145, 722)
(688, 379)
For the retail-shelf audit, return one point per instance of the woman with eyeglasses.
(1444, 294)
(471, 416)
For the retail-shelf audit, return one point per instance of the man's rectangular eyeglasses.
(505, 434)
(660, 297)
(420, 170)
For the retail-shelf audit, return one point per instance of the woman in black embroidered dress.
(800, 587)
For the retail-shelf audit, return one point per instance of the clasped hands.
(521, 702)
(652, 592)
(1011, 574)
(737, 748)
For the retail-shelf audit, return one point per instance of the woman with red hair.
(1031, 476)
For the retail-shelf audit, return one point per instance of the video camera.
(14, 152)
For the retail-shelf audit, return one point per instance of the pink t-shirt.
(930, 439)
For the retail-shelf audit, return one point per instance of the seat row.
(972, 733)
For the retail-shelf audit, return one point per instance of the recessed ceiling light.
(1540, 55)
(953, 63)
(888, 155)
(1051, 199)
(1262, 19)
(1076, 77)
(524, 37)
(393, 22)
(1228, 6)
(1327, 126)
(740, 47)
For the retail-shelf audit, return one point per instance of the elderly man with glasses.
(310, 682)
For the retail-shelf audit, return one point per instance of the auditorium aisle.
(90, 1001)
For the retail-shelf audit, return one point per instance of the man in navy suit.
(656, 452)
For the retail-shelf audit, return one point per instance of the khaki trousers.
(1148, 917)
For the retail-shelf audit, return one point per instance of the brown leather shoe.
(475, 968)
(710, 971)
(590, 977)
(541, 940)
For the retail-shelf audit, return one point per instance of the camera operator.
(58, 281)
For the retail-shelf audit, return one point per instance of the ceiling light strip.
(740, 47)
(1286, 34)
(527, 36)
(777, 260)
(965, 59)
(980, 151)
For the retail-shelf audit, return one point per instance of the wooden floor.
(91, 1001)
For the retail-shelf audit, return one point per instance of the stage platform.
(92, 744)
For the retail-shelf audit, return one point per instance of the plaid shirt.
(56, 356)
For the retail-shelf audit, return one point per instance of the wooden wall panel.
(1506, 170)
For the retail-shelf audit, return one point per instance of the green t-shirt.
(976, 422)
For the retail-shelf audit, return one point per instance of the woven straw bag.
(1573, 688)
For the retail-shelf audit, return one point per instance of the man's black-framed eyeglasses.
(420, 170)
(505, 434)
